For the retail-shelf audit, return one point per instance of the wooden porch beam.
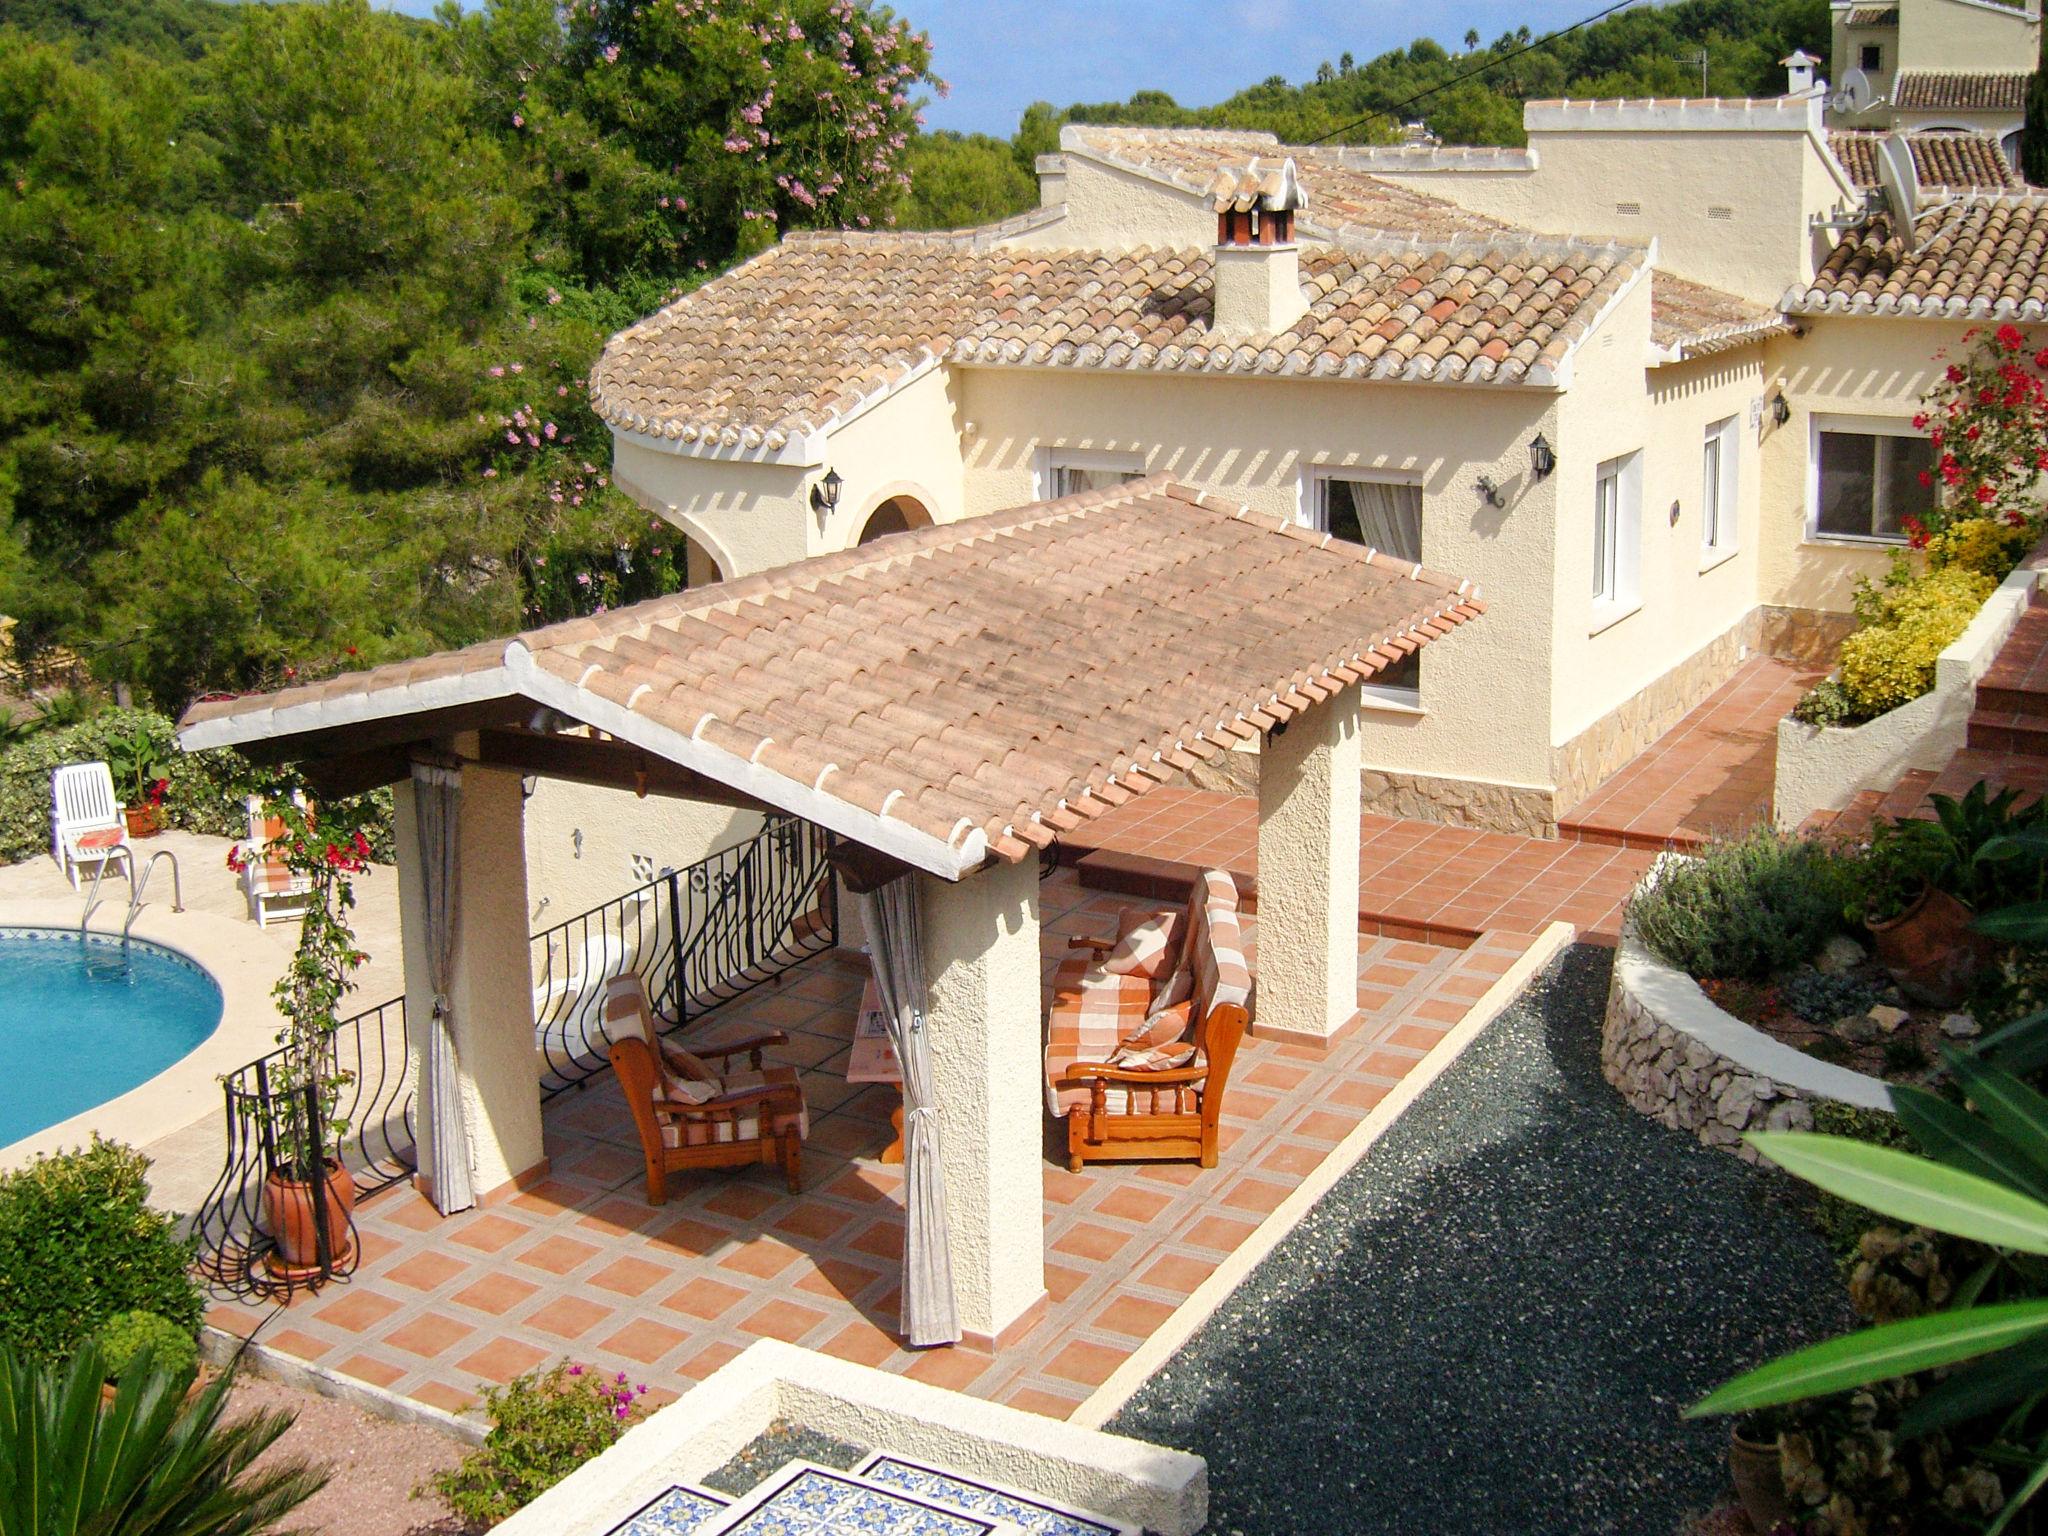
(608, 764)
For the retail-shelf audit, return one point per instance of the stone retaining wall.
(1679, 1059)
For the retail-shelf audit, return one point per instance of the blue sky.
(999, 56)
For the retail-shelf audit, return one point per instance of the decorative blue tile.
(814, 1501)
(1028, 1513)
(679, 1512)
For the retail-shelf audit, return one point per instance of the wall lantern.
(1781, 409)
(825, 495)
(1490, 491)
(1542, 457)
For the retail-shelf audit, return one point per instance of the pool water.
(84, 1021)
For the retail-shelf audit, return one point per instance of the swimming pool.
(84, 1020)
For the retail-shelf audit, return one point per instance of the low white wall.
(1679, 1059)
(1129, 1480)
(1823, 768)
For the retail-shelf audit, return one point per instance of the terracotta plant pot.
(288, 1213)
(1930, 950)
(1759, 1478)
(144, 820)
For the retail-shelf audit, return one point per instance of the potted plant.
(308, 1195)
(136, 763)
(1757, 1468)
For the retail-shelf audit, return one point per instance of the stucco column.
(491, 993)
(1308, 873)
(981, 972)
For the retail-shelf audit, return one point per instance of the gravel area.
(375, 1463)
(1492, 1322)
(778, 1444)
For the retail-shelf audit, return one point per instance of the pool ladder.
(137, 889)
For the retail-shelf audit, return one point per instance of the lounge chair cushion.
(784, 1111)
(1162, 1027)
(1148, 947)
(1093, 1011)
(100, 837)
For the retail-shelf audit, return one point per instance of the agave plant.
(1985, 1180)
(144, 1463)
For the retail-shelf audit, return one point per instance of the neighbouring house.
(1649, 381)
(1928, 66)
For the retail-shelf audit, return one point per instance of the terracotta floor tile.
(378, 1373)
(1260, 1195)
(783, 1320)
(631, 1276)
(558, 1255)
(293, 1342)
(359, 1311)
(502, 1359)
(1130, 1203)
(1047, 1404)
(1136, 1316)
(427, 1271)
(838, 1278)
(1221, 1234)
(861, 1342)
(1062, 1280)
(1297, 1162)
(439, 1394)
(763, 1258)
(1177, 1272)
(881, 1239)
(429, 1335)
(646, 1341)
(489, 1233)
(954, 1369)
(692, 1236)
(707, 1360)
(1088, 1363)
(1091, 1241)
(706, 1298)
(568, 1317)
(496, 1293)
(742, 1202)
(813, 1220)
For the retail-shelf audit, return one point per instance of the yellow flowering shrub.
(1988, 545)
(1906, 626)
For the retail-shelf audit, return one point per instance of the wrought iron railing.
(697, 937)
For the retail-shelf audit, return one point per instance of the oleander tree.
(1987, 418)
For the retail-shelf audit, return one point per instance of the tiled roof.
(1689, 319)
(1971, 160)
(1874, 16)
(1980, 257)
(800, 336)
(963, 689)
(1341, 198)
(1957, 91)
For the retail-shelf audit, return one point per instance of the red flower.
(1926, 480)
(1986, 495)
(2009, 337)
(235, 860)
(1955, 374)
(2016, 519)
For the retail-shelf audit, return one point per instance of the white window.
(1617, 532)
(1069, 471)
(1385, 515)
(1866, 478)
(1718, 480)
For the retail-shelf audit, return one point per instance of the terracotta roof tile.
(1982, 256)
(1874, 16)
(1965, 160)
(1689, 319)
(972, 682)
(1960, 91)
(784, 345)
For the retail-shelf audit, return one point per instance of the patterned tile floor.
(581, 1266)
(1712, 772)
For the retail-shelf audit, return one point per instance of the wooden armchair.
(690, 1117)
(1119, 1111)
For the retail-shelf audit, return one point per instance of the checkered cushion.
(1148, 946)
(1221, 974)
(1092, 1010)
(788, 1109)
(1173, 1099)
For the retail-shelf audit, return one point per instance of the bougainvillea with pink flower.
(1987, 417)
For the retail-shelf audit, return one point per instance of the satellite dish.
(1856, 95)
(1900, 183)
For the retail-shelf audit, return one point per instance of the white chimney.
(1799, 67)
(1258, 267)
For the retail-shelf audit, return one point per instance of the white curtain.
(896, 942)
(1386, 515)
(437, 804)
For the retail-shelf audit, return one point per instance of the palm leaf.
(2021, 1046)
(1950, 1134)
(2021, 1495)
(1910, 1189)
(1878, 1354)
(2015, 1113)
(1994, 1382)
(2024, 922)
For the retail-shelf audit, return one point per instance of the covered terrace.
(946, 702)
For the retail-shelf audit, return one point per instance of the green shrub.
(544, 1425)
(1827, 702)
(1820, 999)
(127, 1334)
(1906, 625)
(1743, 908)
(1990, 546)
(79, 1244)
(209, 790)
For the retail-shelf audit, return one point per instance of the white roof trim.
(881, 832)
(327, 712)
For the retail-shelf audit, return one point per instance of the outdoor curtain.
(1388, 515)
(897, 948)
(437, 802)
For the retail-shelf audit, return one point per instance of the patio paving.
(582, 1266)
(1712, 772)
(1417, 879)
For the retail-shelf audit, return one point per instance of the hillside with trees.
(297, 301)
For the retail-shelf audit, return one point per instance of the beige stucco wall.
(1253, 440)
(1308, 862)
(1968, 35)
(581, 842)
(1850, 366)
(1117, 210)
(908, 444)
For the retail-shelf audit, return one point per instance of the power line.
(1399, 107)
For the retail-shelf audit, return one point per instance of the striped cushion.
(1148, 947)
(784, 1111)
(1162, 1027)
(1154, 1058)
(1092, 1010)
(1173, 1099)
(1222, 976)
